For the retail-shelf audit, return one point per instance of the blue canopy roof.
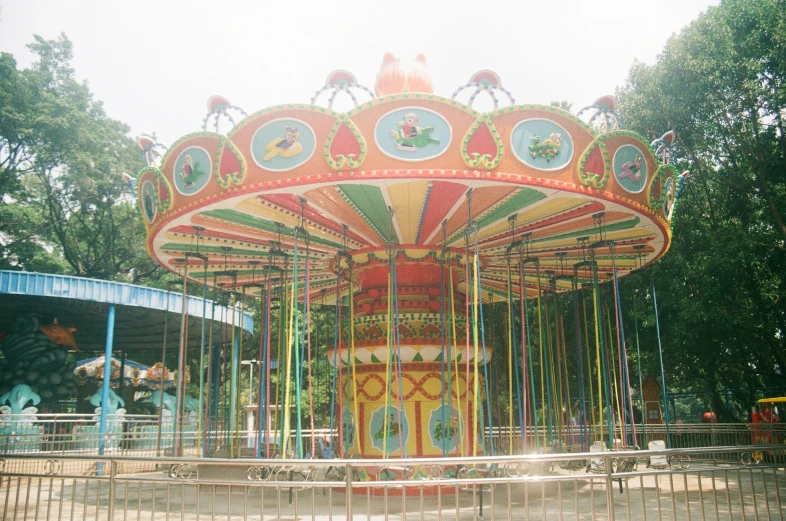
(140, 311)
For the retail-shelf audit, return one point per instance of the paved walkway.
(708, 493)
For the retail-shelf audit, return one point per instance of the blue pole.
(662, 372)
(110, 337)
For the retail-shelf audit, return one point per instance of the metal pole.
(181, 366)
(662, 373)
(110, 337)
(201, 416)
(233, 377)
(161, 380)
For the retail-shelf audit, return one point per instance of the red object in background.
(709, 417)
(767, 415)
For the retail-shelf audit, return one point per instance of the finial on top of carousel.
(152, 150)
(391, 78)
(664, 147)
(218, 106)
(340, 81)
(485, 81)
(605, 118)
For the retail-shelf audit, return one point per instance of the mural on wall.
(37, 355)
(397, 429)
(283, 144)
(286, 146)
(542, 144)
(413, 134)
(444, 425)
(630, 168)
(192, 170)
(410, 135)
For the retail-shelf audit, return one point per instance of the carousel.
(407, 217)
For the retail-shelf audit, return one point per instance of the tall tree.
(64, 203)
(720, 85)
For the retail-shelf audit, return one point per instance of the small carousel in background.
(43, 378)
(138, 380)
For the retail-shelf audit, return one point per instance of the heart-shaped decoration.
(482, 146)
(345, 146)
(231, 165)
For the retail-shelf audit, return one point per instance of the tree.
(64, 204)
(720, 85)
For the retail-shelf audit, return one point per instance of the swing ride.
(410, 214)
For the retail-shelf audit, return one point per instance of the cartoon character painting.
(191, 171)
(394, 429)
(286, 146)
(149, 203)
(445, 432)
(548, 149)
(410, 136)
(632, 169)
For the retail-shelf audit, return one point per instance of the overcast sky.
(154, 63)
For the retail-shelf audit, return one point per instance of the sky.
(154, 63)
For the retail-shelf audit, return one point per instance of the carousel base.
(365, 480)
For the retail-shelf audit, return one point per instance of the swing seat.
(597, 465)
(657, 462)
(573, 464)
(475, 473)
(393, 473)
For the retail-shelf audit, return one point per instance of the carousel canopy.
(412, 174)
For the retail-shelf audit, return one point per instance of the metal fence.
(143, 435)
(139, 435)
(688, 484)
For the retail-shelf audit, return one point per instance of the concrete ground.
(709, 492)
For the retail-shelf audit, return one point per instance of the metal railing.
(141, 435)
(644, 485)
(138, 434)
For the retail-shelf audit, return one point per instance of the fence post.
(609, 488)
(348, 479)
(112, 474)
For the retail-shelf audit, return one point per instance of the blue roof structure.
(83, 303)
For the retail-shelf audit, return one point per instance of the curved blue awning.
(83, 303)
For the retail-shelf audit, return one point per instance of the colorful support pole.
(110, 338)
(181, 367)
(662, 373)
(161, 381)
(201, 416)
(579, 363)
(336, 345)
(638, 362)
(234, 377)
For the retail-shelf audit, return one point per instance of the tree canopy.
(720, 85)
(63, 204)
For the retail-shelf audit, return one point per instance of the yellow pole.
(287, 376)
(597, 355)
